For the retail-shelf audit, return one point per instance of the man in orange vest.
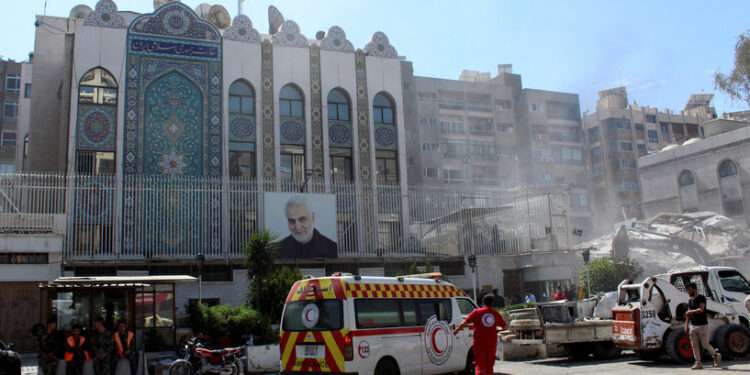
(125, 346)
(75, 352)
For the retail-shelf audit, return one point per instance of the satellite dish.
(219, 16)
(275, 19)
(80, 11)
(202, 10)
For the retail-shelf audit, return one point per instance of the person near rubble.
(559, 294)
(696, 326)
(530, 298)
(485, 320)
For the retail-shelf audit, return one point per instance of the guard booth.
(144, 302)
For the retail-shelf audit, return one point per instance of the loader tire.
(578, 351)
(733, 341)
(677, 346)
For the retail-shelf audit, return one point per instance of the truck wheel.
(733, 341)
(386, 367)
(678, 346)
(605, 350)
(578, 351)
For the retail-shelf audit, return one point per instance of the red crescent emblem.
(434, 344)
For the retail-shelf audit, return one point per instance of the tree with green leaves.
(607, 273)
(274, 290)
(737, 83)
(260, 255)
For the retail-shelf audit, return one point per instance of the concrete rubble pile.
(727, 242)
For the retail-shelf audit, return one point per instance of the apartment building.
(10, 94)
(617, 134)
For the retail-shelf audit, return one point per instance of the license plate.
(310, 351)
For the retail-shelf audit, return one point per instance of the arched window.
(731, 191)
(386, 160)
(242, 130)
(290, 102)
(338, 106)
(97, 86)
(96, 124)
(241, 98)
(340, 136)
(382, 110)
(686, 178)
(727, 168)
(292, 129)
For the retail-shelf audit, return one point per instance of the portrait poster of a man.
(309, 220)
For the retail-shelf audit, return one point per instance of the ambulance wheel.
(733, 341)
(605, 350)
(180, 367)
(678, 346)
(469, 369)
(386, 366)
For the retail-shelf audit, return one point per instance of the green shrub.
(238, 321)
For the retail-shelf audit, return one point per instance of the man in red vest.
(485, 320)
(125, 346)
(75, 352)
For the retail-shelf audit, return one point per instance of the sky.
(661, 51)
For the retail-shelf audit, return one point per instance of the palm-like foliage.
(260, 254)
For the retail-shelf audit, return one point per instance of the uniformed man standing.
(49, 348)
(76, 354)
(125, 346)
(485, 320)
(102, 348)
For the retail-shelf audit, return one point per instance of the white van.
(375, 325)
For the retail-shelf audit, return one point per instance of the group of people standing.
(105, 349)
(558, 296)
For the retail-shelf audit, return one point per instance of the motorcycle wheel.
(180, 367)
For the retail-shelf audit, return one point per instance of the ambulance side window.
(377, 313)
(409, 307)
(465, 306)
(429, 307)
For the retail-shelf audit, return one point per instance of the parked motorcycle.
(199, 360)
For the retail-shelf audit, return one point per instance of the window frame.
(287, 103)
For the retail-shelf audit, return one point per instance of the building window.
(241, 99)
(454, 148)
(625, 146)
(27, 91)
(727, 168)
(382, 110)
(341, 164)
(596, 151)
(8, 139)
(430, 122)
(641, 147)
(95, 163)
(430, 146)
(593, 134)
(386, 167)
(432, 172)
(10, 109)
(618, 123)
(568, 155)
(598, 170)
(7, 168)
(653, 136)
(686, 178)
(12, 83)
(629, 186)
(651, 118)
(484, 150)
(411, 161)
(290, 102)
(455, 176)
(338, 106)
(454, 125)
(626, 164)
(664, 129)
(97, 86)
(292, 163)
(242, 159)
(536, 107)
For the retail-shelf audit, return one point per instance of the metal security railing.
(162, 217)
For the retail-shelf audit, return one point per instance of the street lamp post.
(200, 259)
(473, 264)
(586, 257)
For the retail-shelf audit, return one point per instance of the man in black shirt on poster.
(304, 241)
(696, 326)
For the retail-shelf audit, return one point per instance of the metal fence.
(161, 217)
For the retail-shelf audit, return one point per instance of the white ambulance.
(375, 325)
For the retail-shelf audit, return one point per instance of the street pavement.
(628, 365)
